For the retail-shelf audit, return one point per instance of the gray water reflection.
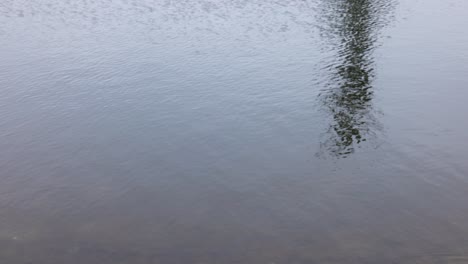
(351, 30)
(147, 131)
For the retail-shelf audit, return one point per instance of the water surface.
(300, 131)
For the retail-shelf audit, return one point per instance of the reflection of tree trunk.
(349, 87)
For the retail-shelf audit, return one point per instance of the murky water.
(299, 131)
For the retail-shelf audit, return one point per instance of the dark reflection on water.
(351, 31)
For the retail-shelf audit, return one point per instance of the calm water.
(233, 131)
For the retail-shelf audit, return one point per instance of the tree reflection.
(352, 35)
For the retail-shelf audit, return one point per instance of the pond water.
(233, 131)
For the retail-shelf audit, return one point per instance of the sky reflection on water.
(147, 131)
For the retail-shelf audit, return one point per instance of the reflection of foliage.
(162, 19)
(349, 86)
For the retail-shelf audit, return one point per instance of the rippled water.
(299, 131)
